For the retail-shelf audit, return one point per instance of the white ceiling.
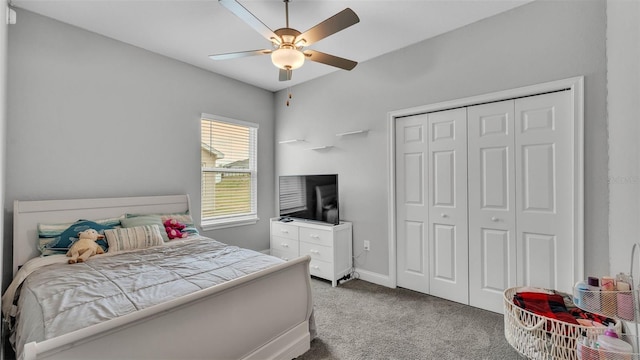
(190, 30)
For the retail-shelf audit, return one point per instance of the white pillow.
(138, 237)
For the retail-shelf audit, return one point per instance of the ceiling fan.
(288, 43)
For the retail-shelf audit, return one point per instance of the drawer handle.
(316, 267)
(284, 231)
(493, 218)
(285, 259)
(315, 236)
(443, 215)
(315, 251)
(285, 245)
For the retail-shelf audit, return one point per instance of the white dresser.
(328, 245)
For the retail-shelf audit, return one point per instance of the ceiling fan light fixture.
(287, 58)
(287, 43)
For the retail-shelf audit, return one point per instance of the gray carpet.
(360, 320)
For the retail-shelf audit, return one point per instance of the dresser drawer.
(284, 230)
(284, 255)
(315, 236)
(321, 269)
(317, 252)
(284, 244)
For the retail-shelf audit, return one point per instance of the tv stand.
(328, 245)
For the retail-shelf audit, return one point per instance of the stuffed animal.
(86, 246)
(173, 229)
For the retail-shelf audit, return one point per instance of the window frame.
(225, 221)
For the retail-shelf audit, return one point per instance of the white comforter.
(57, 298)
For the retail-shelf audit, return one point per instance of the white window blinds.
(229, 171)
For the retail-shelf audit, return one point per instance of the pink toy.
(173, 227)
(174, 224)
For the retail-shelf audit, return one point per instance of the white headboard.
(27, 215)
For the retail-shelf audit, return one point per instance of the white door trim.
(575, 85)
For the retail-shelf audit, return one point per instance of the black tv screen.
(309, 197)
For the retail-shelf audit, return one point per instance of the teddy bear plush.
(173, 229)
(85, 247)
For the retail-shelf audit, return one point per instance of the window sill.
(230, 222)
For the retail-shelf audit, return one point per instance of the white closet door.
(411, 203)
(492, 223)
(448, 205)
(545, 180)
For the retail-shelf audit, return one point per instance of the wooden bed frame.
(264, 315)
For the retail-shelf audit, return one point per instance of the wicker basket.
(539, 337)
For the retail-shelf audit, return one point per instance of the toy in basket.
(545, 324)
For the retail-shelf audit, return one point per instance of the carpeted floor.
(360, 320)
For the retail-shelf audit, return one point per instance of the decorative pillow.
(143, 220)
(184, 218)
(138, 237)
(57, 238)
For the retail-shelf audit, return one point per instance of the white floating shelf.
(321, 147)
(290, 141)
(353, 132)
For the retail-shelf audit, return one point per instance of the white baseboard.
(372, 277)
(375, 278)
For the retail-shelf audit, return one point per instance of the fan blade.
(285, 75)
(332, 25)
(332, 60)
(244, 15)
(241, 54)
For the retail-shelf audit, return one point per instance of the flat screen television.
(309, 197)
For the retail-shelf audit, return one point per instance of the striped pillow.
(143, 220)
(138, 237)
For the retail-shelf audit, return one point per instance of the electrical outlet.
(367, 245)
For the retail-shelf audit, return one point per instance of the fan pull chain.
(289, 96)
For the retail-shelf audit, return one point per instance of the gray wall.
(89, 116)
(623, 108)
(3, 121)
(538, 42)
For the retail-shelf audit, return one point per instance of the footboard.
(264, 315)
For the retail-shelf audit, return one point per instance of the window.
(229, 172)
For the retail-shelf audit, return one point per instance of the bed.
(262, 314)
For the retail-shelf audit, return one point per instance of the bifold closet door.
(485, 199)
(521, 179)
(412, 208)
(545, 181)
(448, 238)
(492, 215)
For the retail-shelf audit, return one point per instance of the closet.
(485, 198)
